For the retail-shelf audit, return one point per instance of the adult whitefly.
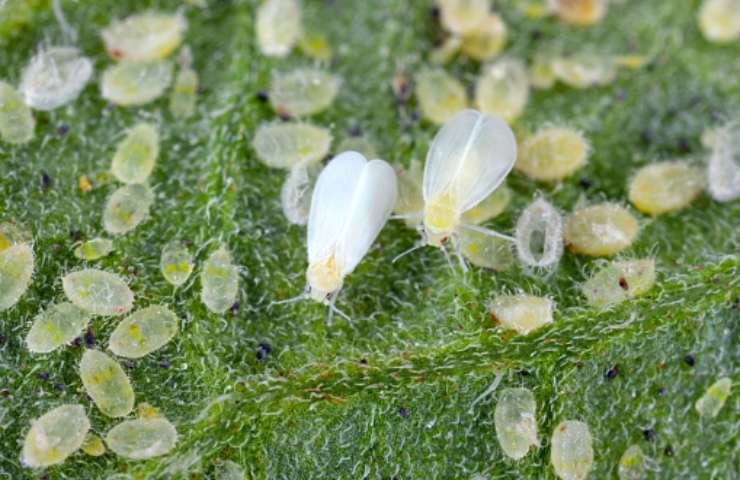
(539, 235)
(144, 36)
(600, 230)
(571, 451)
(98, 292)
(93, 249)
(303, 91)
(522, 313)
(278, 26)
(515, 420)
(502, 90)
(665, 186)
(55, 76)
(136, 154)
(632, 464)
(176, 262)
(16, 269)
(709, 404)
(295, 195)
(55, 436)
(142, 438)
(219, 281)
(290, 144)
(143, 332)
(126, 208)
(619, 281)
(132, 83)
(723, 169)
(16, 121)
(441, 96)
(106, 383)
(57, 325)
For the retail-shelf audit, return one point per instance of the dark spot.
(4, 392)
(163, 364)
(689, 360)
(62, 130)
(402, 411)
(60, 387)
(262, 350)
(43, 376)
(683, 145)
(668, 451)
(108, 107)
(612, 372)
(116, 53)
(77, 341)
(75, 234)
(535, 35)
(262, 96)
(523, 373)
(623, 283)
(648, 434)
(661, 391)
(434, 12)
(647, 137)
(401, 88)
(621, 95)
(414, 116)
(3, 339)
(43, 476)
(284, 116)
(235, 307)
(355, 131)
(585, 183)
(45, 181)
(89, 338)
(736, 304)
(129, 364)
(579, 364)
(363, 361)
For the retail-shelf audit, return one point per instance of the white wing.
(351, 202)
(468, 159)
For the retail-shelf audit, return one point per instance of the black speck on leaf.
(89, 338)
(163, 364)
(43, 376)
(403, 412)
(262, 350)
(683, 145)
(60, 387)
(668, 451)
(62, 130)
(585, 183)
(129, 364)
(75, 234)
(523, 373)
(689, 360)
(612, 372)
(623, 283)
(262, 96)
(77, 341)
(45, 181)
(235, 307)
(434, 12)
(648, 434)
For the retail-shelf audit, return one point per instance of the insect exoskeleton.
(16, 121)
(440, 95)
(665, 186)
(632, 464)
(136, 83)
(144, 37)
(463, 16)
(516, 425)
(468, 159)
(503, 89)
(579, 12)
(16, 269)
(290, 144)
(142, 438)
(600, 230)
(719, 20)
(723, 170)
(295, 196)
(55, 76)
(539, 235)
(55, 436)
(486, 40)
(278, 26)
(351, 203)
(303, 91)
(714, 398)
(571, 451)
(584, 70)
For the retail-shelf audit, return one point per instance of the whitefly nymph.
(351, 203)
(54, 76)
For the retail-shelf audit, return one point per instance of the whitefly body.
(468, 159)
(55, 76)
(351, 202)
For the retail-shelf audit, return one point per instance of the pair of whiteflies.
(353, 198)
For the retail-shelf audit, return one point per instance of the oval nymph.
(55, 435)
(16, 121)
(16, 269)
(463, 16)
(58, 325)
(539, 235)
(106, 383)
(126, 208)
(136, 83)
(665, 187)
(584, 70)
(468, 159)
(600, 230)
(723, 170)
(441, 96)
(719, 20)
(176, 263)
(502, 89)
(93, 249)
(278, 26)
(522, 313)
(136, 154)
(144, 37)
(142, 438)
(486, 40)
(714, 398)
(295, 196)
(219, 281)
(98, 292)
(552, 154)
(143, 332)
(291, 144)
(351, 203)
(302, 92)
(54, 77)
(632, 464)
(579, 12)
(516, 425)
(571, 453)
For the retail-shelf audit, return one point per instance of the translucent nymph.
(106, 383)
(54, 77)
(93, 445)
(12, 234)
(16, 268)
(136, 154)
(278, 26)
(719, 20)
(219, 281)
(176, 263)
(665, 186)
(571, 453)
(584, 70)
(463, 16)
(410, 199)
(490, 207)
(522, 313)
(144, 37)
(93, 249)
(136, 83)
(142, 438)
(229, 470)
(516, 424)
(143, 332)
(502, 90)
(315, 45)
(302, 92)
(539, 235)
(290, 144)
(714, 398)
(552, 153)
(632, 464)
(98, 292)
(295, 196)
(619, 281)
(58, 325)
(440, 95)
(184, 93)
(126, 208)
(486, 40)
(579, 12)
(541, 75)
(16, 121)
(55, 436)
(723, 170)
(485, 251)
(600, 230)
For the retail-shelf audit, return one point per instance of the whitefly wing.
(331, 203)
(372, 203)
(469, 157)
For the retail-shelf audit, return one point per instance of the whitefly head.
(468, 159)
(351, 202)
